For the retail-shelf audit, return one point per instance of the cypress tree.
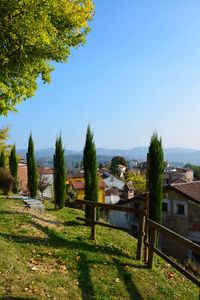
(13, 165)
(90, 171)
(32, 169)
(155, 173)
(59, 175)
(2, 160)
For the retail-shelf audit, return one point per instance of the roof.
(189, 189)
(75, 175)
(45, 171)
(80, 185)
(180, 180)
(112, 191)
(134, 199)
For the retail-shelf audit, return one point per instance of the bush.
(6, 181)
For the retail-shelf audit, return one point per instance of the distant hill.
(178, 155)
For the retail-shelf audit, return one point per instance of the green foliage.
(139, 181)
(196, 170)
(13, 165)
(33, 34)
(90, 171)
(2, 160)
(6, 181)
(59, 175)
(32, 169)
(155, 173)
(117, 160)
(4, 136)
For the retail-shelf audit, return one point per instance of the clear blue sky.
(139, 71)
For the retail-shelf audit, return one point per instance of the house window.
(165, 207)
(180, 209)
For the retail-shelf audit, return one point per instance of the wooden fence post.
(152, 244)
(93, 216)
(140, 236)
(146, 239)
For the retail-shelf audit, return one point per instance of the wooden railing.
(147, 239)
(155, 228)
(93, 222)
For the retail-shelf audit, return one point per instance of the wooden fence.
(93, 222)
(155, 228)
(148, 240)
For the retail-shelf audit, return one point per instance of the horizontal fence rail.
(92, 222)
(111, 206)
(157, 228)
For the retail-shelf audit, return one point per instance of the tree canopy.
(139, 181)
(4, 136)
(90, 171)
(117, 160)
(13, 165)
(33, 33)
(59, 175)
(31, 168)
(155, 174)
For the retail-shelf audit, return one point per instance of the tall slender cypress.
(13, 165)
(59, 175)
(2, 160)
(32, 169)
(155, 173)
(90, 171)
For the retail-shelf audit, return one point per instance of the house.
(121, 170)
(114, 186)
(77, 183)
(112, 195)
(133, 164)
(127, 191)
(177, 175)
(48, 174)
(22, 176)
(113, 181)
(126, 219)
(181, 213)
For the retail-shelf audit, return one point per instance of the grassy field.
(51, 256)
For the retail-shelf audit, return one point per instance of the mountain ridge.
(174, 154)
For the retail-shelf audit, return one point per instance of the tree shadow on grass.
(127, 279)
(16, 298)
(57, 240)
(72, 223)
(84, 278)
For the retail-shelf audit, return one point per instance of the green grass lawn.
(51, 256)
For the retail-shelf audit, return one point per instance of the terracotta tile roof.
(44, 171)
(79, 185)
(189, 189)
(179, 180)
(75, 175)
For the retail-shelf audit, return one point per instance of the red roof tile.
(79, 185)
(189, 189)
(44, 171)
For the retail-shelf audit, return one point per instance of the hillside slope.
(50, 256)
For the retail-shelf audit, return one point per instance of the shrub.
(6, 181)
